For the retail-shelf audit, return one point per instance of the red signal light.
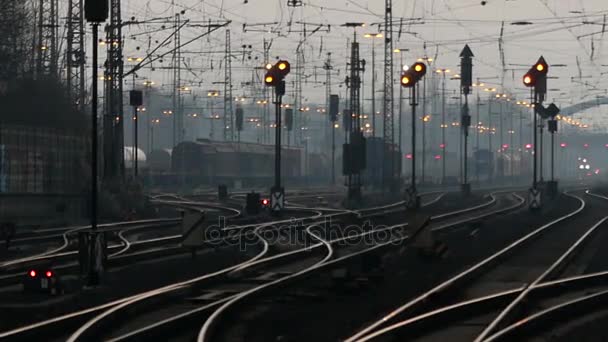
(528, 146)
(32, 273)
(265, 202)
(49, 274)
(563, 145)
(409, 156)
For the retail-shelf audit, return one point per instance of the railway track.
(124, 250)
(342, 254)
(253, 262)
(507, 296)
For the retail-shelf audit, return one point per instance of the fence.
(35, 160)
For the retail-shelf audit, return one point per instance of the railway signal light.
(96, 11)
(414, 74)
(276, 73)
(253, 203)
(537, 73)
(239, 119)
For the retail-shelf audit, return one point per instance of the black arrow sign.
(466, 69)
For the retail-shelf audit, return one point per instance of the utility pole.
(228, 112)
(443, 128)
(113, 138)
(354, 147)
(490, 148)
(388, 117)
(477, 129)
(266, 101)
(178, 119)
(75, 54)
(299, 110)
(47, 39)
(373, 88)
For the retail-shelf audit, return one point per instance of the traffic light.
(276, 73)
(96, 11)
(334, 107)
(414, 74)
(536, 74)
(253, 204)
(239, 119)
(136, 98)
(289, 119)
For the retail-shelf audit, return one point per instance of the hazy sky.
(567, 32)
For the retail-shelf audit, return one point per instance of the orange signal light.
(405, 80)
(540, 67)
(419, 68)
(269, 79)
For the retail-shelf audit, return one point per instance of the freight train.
(248, 164)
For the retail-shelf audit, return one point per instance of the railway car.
(130, 153)
(160, 160)
(212, 162)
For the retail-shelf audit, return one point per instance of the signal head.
(419, 68)
(528, 80)
(406, 81)
(283, 67)
(269, 80)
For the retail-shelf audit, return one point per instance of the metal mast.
(266, 101)
(354, 136)
(47, 38)
(178, 119)
(328, 68)
(389, 164)
(113, 139)
(228, 113)
(297, 120)
(76, 54)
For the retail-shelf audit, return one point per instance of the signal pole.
(410, 80)
(466, 81)
(329, 109)
(275, 77)
(536, 78)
